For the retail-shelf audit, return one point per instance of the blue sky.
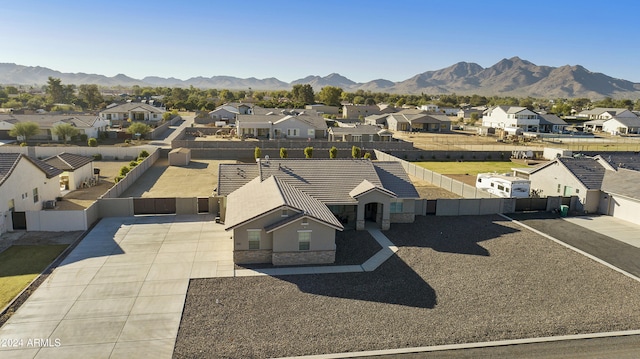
(362, 40)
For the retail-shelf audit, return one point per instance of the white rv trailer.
(504, 185)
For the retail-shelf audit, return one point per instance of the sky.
(362, 40)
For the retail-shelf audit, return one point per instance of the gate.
(531, 204)
(154, 206)
(203, 205)
(19, 220)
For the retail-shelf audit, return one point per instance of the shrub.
(92, 142)
(127, 141)
(283, 152)
(308, 152)
(124, 170)
(333, 152)
(143, 154)
(367, 155)
(257, 152)
(23, 144)
(133, 164)
(117, 179)
(84, 137)
(355, 152)
(97, 157)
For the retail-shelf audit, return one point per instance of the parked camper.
(504, 185)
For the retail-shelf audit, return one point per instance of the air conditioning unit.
(49, 204)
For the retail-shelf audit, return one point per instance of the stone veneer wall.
(252, 256)
(402, 217)
(306, 257)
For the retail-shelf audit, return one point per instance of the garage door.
(626, 209)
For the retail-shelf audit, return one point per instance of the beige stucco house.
(77, 170)
(286, 211)
(134, 111)
(25, 184)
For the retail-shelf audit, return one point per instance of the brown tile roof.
(68, 161)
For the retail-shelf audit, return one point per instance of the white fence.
(132, 176)
(108, 153)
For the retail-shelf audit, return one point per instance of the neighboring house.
(230, 111)
(359, 133)
(418, 120)
(621, 195)
(465, 114)
(605, 113)
(376, 120)
(593, 125)
(511, 117)
(550, 123)
(622, 125)
(134, 111)
(357, 111)
(286, 211)
(25, 185)
(324, 109)
(89, 125)
(568, 176)
(77, 170)
(290, 124)
(429, 108)
(399, 122)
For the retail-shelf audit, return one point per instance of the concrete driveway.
(120, 292)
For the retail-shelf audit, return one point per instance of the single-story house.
(229, 112)
(620, 196)
(282, 210)
(277, 125)
(77, 170)
(622, 125)
(568, 176)
(360, 133)
(605, 113)
(89, 125)
(323, 109)
(134, 111)
(466, 113)
(26, 184)
(356, 111)
(376, 120)
(551, 123)
(593, 125)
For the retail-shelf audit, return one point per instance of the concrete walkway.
(388, 249)
(121, 291)
(619, 229)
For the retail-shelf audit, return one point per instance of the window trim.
(250, 240)
(307, 240)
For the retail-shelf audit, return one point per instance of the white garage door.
(626, 209)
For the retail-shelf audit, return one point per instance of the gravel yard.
(453, 280)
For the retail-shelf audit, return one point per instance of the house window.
(304, 240)
(356, 138)
(577, 191)
(108, 116)
(35, 195)
(558, 190)
(311, 132)
(254, 238)
(293, 132)
(155, 115)
(395, 207)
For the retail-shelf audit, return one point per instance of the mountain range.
(508, 77)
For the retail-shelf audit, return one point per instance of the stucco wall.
(115, 207)
(548, 179)
(20, 184)
(322, 237)
(625, 208)
(240, 236)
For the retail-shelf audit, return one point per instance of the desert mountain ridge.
(508, 77)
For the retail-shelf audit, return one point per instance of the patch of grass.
(471, 167)
(19, 265)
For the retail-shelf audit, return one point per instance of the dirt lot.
(453, 280)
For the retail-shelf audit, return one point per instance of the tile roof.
(550, 119)
(628, 160)
(9, 161)
(68, 161)
(232, 176)
(395, 179)
(366, 186)
(129, 106)
(586, 169)
(50, 120)
(627, 121)
(601, 110)
(622, 182)
(259, 197)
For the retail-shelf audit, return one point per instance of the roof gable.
(68, 161)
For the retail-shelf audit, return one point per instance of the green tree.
(474, 117)
(64, 131)
(138, 128)
(333, 152)
(283, 152)
(57, 92)
(24, 130)
(92, 142)
(369, 101)
(308, 152)
(358, 100)
(91, 95)
(330, 95)
(257, 152)
(355, 152)
(303, 94)
(226, 96)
